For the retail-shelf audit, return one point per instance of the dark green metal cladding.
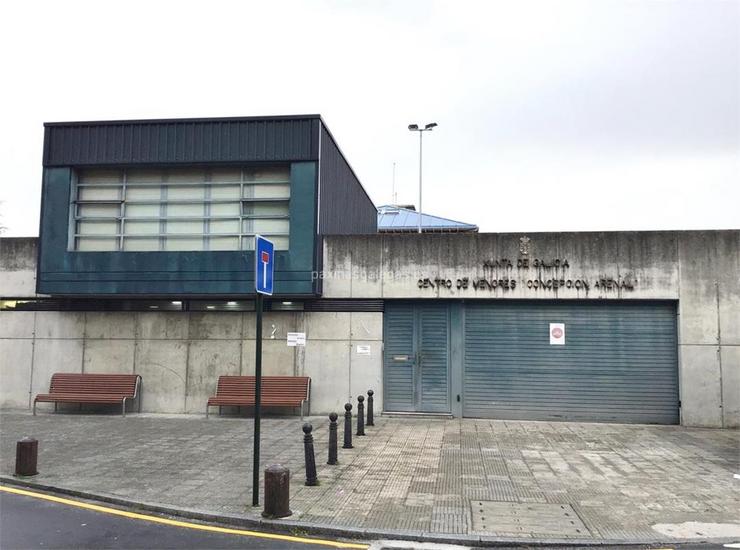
(344, 206)
(182, 141)
(66, 272)
(303, 241)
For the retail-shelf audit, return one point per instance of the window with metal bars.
(179, 208)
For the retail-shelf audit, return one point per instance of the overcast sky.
(553, 115)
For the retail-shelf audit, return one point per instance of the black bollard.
(333, 439)
(277, 492)
(347, 426)
(26, 457)
(370, 419)
(311, 478)
(360, 415)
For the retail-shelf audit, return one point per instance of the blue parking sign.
(264, 263)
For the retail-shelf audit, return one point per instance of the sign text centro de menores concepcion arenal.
(530, 273)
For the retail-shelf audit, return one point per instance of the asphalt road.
(28, 522)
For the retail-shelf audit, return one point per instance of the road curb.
(290, 527)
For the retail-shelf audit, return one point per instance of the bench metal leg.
(206, 410)
(55, 406)
(34, 407)
(123, 406)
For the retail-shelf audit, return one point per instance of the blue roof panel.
(398, 219)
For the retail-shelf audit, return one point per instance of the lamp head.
(430, 125)
(413, 127)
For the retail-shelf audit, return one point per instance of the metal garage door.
(416, 357)
(619, 362)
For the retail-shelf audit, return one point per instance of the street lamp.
(415, 128)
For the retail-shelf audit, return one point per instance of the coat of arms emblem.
(524, 245)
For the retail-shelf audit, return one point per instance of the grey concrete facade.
(181, 354)
(18, 267)
(700, 270)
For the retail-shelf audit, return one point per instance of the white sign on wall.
(363, 350)
(296, 339)
(557, 334)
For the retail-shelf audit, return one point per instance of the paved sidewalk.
(469, 478)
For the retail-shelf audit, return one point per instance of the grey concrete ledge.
(315, 529)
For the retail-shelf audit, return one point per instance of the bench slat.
(123, 384)
(79, 398)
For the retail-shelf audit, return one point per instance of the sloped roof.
(397, 219)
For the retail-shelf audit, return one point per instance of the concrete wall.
(709, 310)
(641, 265)
(699, 269)
(180, 355)
(18, 266)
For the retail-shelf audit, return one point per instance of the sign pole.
(264, 266)
(257, 399)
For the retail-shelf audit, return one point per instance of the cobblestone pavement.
(471, 477)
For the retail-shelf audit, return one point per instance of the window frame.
(244, 239)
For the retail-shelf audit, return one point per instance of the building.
(405, 219)
(167, 208)
(616, 326)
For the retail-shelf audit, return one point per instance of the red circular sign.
(557, 332)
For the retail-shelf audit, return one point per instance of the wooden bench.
(91, 388)
(277, 391)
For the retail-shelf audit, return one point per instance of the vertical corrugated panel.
(398, 358)
(433, 350)
(182, 141)
(342, 304)
(619, 362)
(344, 206)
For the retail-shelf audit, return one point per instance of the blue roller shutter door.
(619, 362)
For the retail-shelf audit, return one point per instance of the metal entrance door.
(416, 357)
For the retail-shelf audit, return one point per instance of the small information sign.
(296, 339)
(557, 334)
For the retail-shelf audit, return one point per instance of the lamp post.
(415, 128)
